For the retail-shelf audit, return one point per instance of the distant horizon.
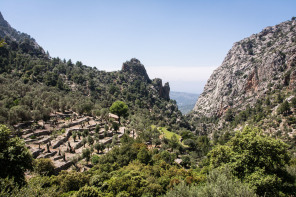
(179, 42)
(184, 92)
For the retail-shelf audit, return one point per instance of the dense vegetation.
(34, 85)
(249, 163)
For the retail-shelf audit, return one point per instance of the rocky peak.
(164, 91)
(3, 22)
(25, 42)
(135, 67)
(253, 65)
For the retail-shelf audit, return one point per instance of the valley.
(185, 101)
(68, 129)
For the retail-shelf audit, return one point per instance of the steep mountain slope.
(185, 101)
(262, 62)
(27, 44)
(33, 85)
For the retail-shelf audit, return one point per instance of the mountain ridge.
(251, 65)
(63, 79)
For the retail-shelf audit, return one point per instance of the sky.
(179, 41)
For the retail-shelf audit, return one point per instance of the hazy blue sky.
(178, 41)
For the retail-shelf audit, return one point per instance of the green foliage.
(220, 182)
(36, 186)
(174, 142)
(138, 179)
(86, 154)
(2, 43)
(191, 144)
(121, 155)
(185, 161)
(97, 180)
(115, 126)
(120, 109)
(15, 158)
(90, 140)
(95, 159)
(229, 115)
(74, 135)
(70, 181)
(99, 147)
(256, 158)
(167, 157)
(284, 108)
(279, 98)
(87, 191)
(143, 156)
(44, 166)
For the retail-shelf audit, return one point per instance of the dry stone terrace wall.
(54, 140)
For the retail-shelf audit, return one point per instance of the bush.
(258, 159)
(15, 157)
(70, 181)
(87, 191)
(98, 180)
(44, 166)
(95, 159)
(36, 186)
(220, 182)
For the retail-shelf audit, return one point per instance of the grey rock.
(254, 64)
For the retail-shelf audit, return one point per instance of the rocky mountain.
(135, 68)
(255, 65)
(28, 44)
(185, 101)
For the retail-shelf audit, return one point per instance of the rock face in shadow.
(134, 67)
(19, 40)
(164, 91)
(255, 65)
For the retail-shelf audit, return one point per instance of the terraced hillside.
(63, 138)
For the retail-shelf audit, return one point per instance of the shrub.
(95, 159)
(70, 181)
(44, 166)
(87, 191)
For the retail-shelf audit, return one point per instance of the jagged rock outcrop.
(255, 64)
(136, 70)
(164, 91)
(135, 67)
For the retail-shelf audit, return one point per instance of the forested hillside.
(33, 85)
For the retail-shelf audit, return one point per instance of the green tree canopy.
(44, 166)
(120, 109)
(15, 158)
(256, 158)
(284, 108)
(143, 155)
(2, 43)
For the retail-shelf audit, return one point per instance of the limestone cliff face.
(164, 91)
(253, 65)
